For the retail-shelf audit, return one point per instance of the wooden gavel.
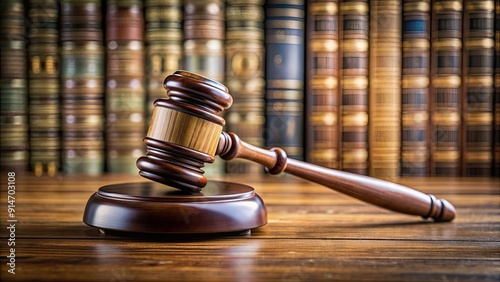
(185, 133)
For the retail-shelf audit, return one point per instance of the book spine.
(385, 88)
(163, 38)
(244, 49)
(204, 35)
(125, 93)
(13, 88)
(82, 87)
(415, 88)
(43, 73)
(354, 47)
(445, 91)
(496, 144)
(285, 76)
(322, 74)
(478, 58)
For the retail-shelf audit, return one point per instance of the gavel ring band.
(186, 130)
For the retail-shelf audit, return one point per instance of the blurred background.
(382, 88)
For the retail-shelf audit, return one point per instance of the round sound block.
(151, 207)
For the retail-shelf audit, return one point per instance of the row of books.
(383, 88)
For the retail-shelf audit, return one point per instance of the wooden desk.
(313, 234)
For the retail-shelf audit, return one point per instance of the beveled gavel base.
(154, 208)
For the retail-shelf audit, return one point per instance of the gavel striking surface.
(149, 207)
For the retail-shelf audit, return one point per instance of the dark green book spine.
(125, 92)
(163, 38)
(13, 88)
(82, 87)
(285, 67)
(322, 80)
(204, 35)
(44, 90)
(415, 88)
(244, 49)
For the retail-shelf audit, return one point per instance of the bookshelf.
(384, 88)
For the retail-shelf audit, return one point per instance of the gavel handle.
(375, 191)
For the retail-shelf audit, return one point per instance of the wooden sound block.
(150, 207)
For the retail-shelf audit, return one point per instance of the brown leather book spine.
(446, 88)
(385, 89)
(354, 48)
(496, 143)
(415, 88)
(322, 80)
(478, 77)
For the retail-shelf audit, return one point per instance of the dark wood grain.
(313, 234)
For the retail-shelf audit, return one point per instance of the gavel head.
(184, 131)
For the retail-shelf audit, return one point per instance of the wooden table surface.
(313, 234)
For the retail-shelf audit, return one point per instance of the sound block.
(151, 207)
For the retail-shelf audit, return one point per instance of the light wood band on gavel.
(185, 133)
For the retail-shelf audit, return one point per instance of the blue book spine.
(285, 76)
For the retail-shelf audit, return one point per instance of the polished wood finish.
(179, 147)
(175, 156)
(313, 234)
(378, 192)
(150, 207)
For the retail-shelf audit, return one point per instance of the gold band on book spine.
(385, 88)
(478, 84)
(354, 46)
(322, 70)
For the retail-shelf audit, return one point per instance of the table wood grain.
(313, 234)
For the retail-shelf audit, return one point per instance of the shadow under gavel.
(186, 132)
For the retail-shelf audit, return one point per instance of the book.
(163, 39)
(44, 90)
(496, 143)
(285, 64)
(125, 92)
(354, 54)
(385, 89)
(244, 77)
(82, 87)
(13, 89)
(203, 48)
(446, 88)
(415, 65)
(204, 34)
(322, 83)
(478, 74)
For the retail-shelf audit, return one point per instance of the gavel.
(186, 132)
